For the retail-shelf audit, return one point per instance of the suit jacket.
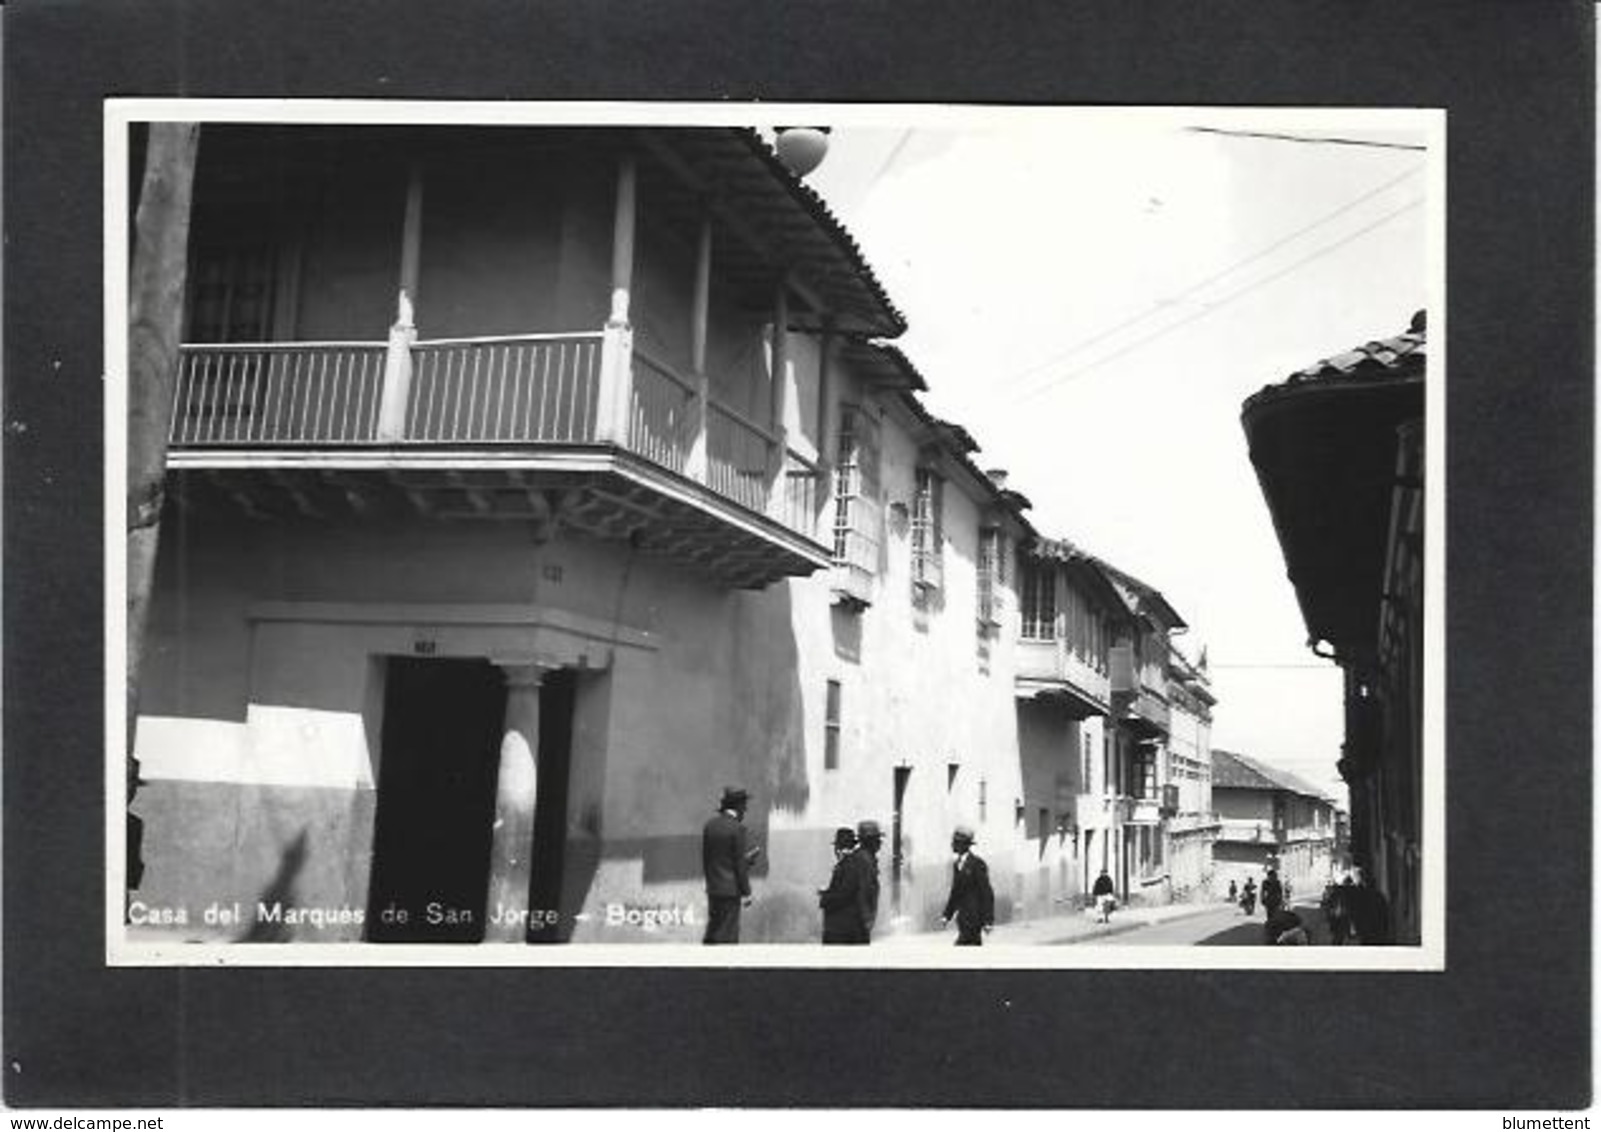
(842, 902)
(724, 856)
(972, 900)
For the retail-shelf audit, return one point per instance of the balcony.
(1050, 668)
(1136, 698)
(1145, 811)
(1245, 829)
(568, 429)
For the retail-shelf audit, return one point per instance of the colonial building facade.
(513, 516)
(1268, 818)
(1338, 450)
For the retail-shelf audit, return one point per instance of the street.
(1222, 926)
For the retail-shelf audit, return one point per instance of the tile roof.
(882, 362)
(1386, 357)
(1231, 770)
(1405, 355)
(823, 216)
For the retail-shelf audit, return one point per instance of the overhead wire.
(1223, 273)
(1209, 308)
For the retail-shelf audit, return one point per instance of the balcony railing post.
(697, 465)
(616, 383)
(397, 374)
(617, 342)
(778, 447)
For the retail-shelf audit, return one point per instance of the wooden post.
(617, 345)
(698, 464)
(403, 334)
(827, 438)
(780, 383)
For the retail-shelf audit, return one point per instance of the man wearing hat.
(972, 901)
(841, 900)
(726, 856)
(868, 839)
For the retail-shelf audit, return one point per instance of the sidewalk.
(1066, 927)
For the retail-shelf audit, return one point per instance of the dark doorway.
(557, 698)
(436, 801)
(897, 850)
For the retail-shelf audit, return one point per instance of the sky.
(1093, 295)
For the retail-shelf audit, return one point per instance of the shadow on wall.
(847, 626)
(769, 731)
(281, 891)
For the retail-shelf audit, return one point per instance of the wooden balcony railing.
(795, 504)
(278, 393)
(520, 389)
(663, 416)
(738, 456)
(529, 388)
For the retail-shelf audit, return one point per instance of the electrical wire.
(1163, 332)
(1213, 278)
(1305, 139)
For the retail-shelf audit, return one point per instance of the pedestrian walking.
(1272, 892)
(1336, 905)
(1248, 896)
(842, 901)
(972, 901)
(869, 838)
(726, 857)
(1234, 892)
(1104, 896)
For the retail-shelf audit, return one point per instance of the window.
(1039, 601)
(856, 491)
(989, 576)
(928, 535)
(831, 727)
(1145, 772)
(1089, 764)
(231, 291)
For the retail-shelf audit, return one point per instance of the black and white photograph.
(730, 560)
(639, 528)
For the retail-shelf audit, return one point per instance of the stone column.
(516, 789)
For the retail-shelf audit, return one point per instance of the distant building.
(1071, 801)
(1187, 801)
(1338, 450)
(1269, 817)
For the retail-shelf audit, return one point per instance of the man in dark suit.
(972, 901)
(868, 840)
(841, 901)
(726, 856)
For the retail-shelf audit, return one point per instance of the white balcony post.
(780, 353)
(698, 463)
(403, 334)
(516, 792)
(617, 344)
(397, 373)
